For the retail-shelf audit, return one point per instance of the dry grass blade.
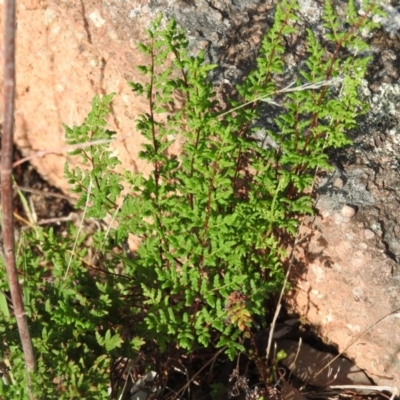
(289, 88)
(61, 150)
(303, 360)
(395, 312)
(183, 389)
(80, 228)
(394, 391)
(43, 193)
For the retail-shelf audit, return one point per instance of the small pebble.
(358, 293)
(368, 234)
(337, 267)
(354, 328)
(358, 262)
(338, 183)
(363, 246)
(325, 214)
(338, 219)
(348, 211)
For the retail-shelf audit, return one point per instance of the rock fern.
(214, 222)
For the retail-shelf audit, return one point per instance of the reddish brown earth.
(344, 286)
(346, 281)
(66, 55)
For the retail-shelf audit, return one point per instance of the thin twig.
(44, 194)
(89, 192)
(7, 189)
(266, 97)
(358, 337)
(184, 387)
(62, 150)
(394, 390)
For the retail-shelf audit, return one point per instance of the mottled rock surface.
(68, 51)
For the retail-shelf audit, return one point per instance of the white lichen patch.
(138, 11)
(310, 10)
(49, 16)
(96, 19)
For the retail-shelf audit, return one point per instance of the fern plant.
(75, 322)
(214, 222)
